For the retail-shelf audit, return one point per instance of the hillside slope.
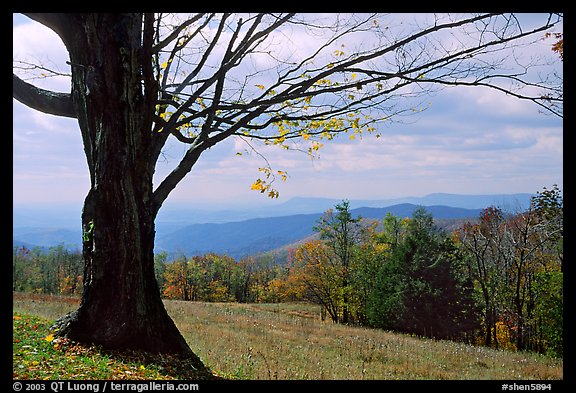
(237, 239)
(289, 341)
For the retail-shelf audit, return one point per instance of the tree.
(342, 233)
(160, 267)
(432, 294)
(558, 46)
(179, 280)
(516, 262)
(485, 263)
(68, 266)
(549, 207)
(139, 79)
(314, 275)
(531, 249)
(369, 256)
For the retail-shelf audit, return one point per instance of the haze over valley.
(239, 232)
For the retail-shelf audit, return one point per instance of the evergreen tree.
(420, 288)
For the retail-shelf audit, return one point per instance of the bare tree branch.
(207, 78)
(53, 103)
(174, 34)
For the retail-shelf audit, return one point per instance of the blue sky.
(468, 141)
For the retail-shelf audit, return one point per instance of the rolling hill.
(31, 237)
(236, 239)
(258, 235)
(240, 232)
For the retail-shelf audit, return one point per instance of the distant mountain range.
(242, 232)
(237, 239)
(511, 202)
(31, 237)
(258, 235)
(178, 213)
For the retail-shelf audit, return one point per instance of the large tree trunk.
(121, 306)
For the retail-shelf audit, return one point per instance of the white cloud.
(468, 141)
(36, 44)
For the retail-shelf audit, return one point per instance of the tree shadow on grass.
(130, 364)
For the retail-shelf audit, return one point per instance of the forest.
(496, 280)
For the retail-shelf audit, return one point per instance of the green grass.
(289, 341)
(38, 355)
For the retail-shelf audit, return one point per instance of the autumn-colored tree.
(558, 46)
(68, 266)
(315, 275)
(483, 241)
(138, 80)
(516, 262)
(178, 281)
(341, 233)
(531, 249)
(287, 287)
(55, 271)
(217, 283)
(265, 270)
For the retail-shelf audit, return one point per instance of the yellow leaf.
(273, 194)
(316, 146)
(257, 185)
(283, 174)
(261, 87)
(165, 64)
(49, 338)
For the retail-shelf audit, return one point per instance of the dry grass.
(288, 341)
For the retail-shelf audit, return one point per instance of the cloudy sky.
(467, 141)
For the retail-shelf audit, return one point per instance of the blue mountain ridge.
(241, 232)
(258, 235)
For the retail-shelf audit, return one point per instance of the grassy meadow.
(289, 341)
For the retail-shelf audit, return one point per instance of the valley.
(250, 231)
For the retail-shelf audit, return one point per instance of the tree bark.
(59, 104)
(121, 307)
